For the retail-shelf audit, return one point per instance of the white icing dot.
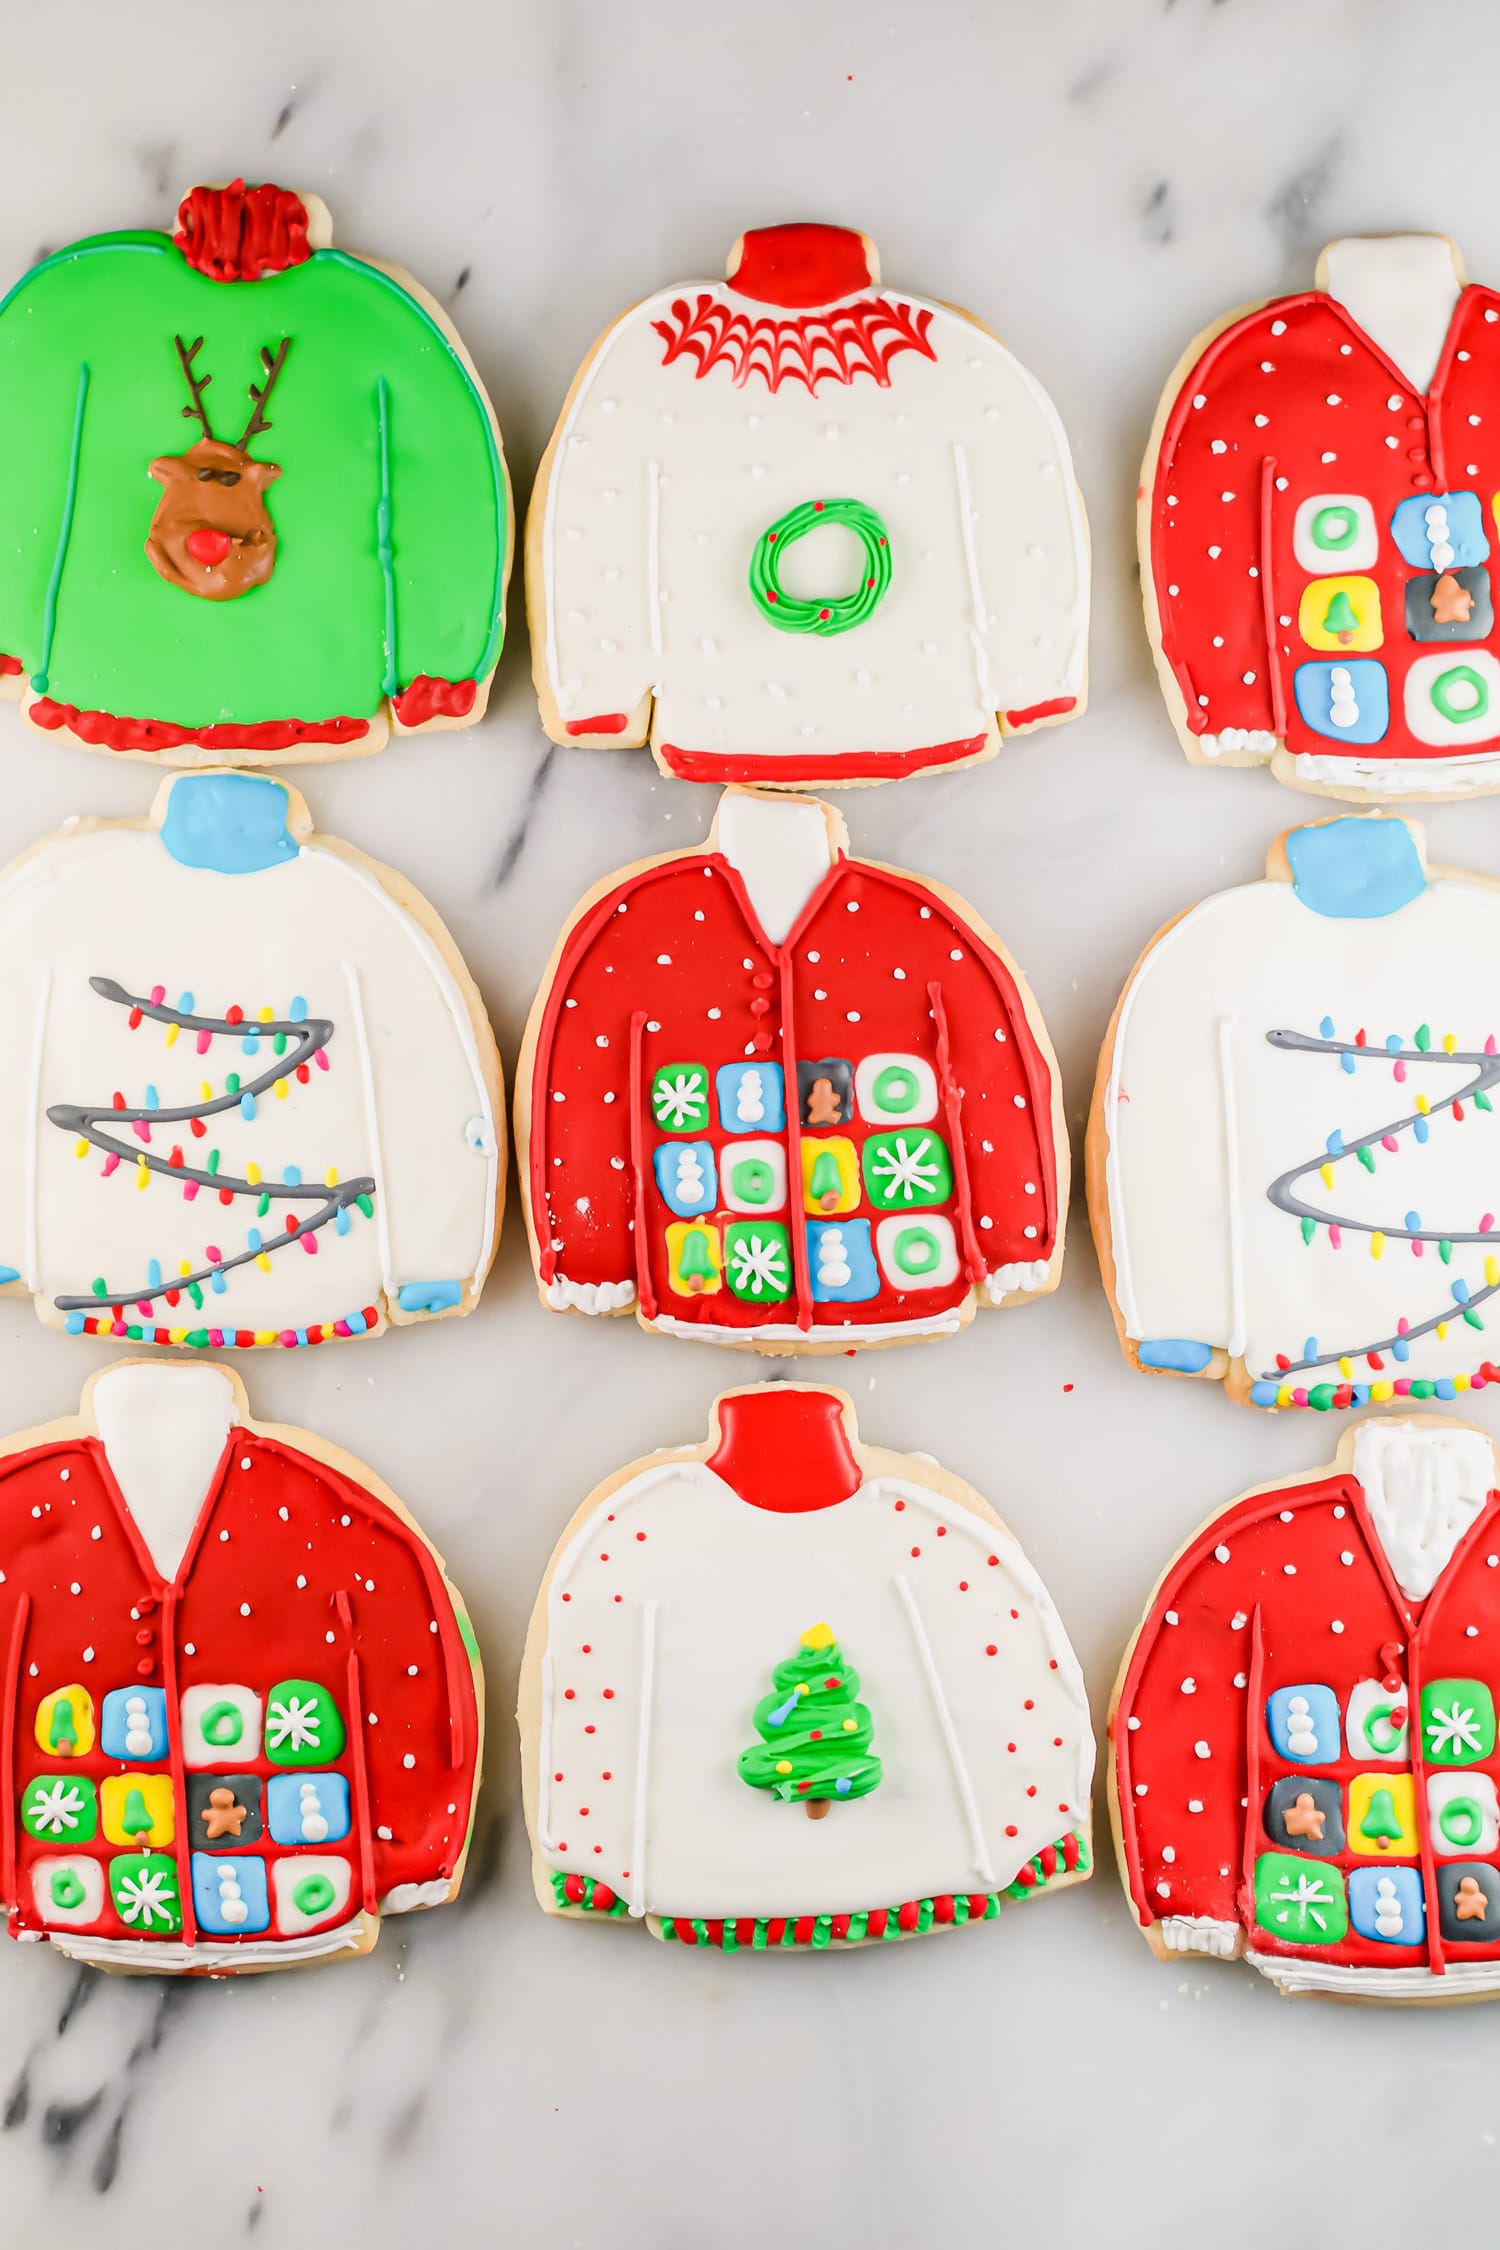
(1189, 1687)
(1278, 328)
(408, 1760)
(1195, 1804)
(244, 1609)
(1334, 399)
(1221, 1554)
(75, 1588)
(1346, 1558)
(1289, 1569)
(1202, 1750)
(1336, 1625)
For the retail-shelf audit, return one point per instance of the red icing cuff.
(608, 722)
(428, 698)
(1035, 712)
(240, 233)
(785, 1450)
(110, 730)
(803, 265)
(9, 665)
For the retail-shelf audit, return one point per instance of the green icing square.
(303, 1726)
(60, 1808)
(143, 1886)
(907, 1169)
(1458, 1722)
(758, 1261)
(679, 1097)
(1300, 1901)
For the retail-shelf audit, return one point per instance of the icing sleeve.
(49, 401)
(1002, 1081)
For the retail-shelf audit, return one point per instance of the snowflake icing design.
(1454, 1730)
(759, 1265)
(295, 1722)
(907, 1172)
(144, 1897)
(1303, 1899)
(680, 1101)
(57, 1807)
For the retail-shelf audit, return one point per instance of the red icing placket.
(671, 969)
(293, 1574)
(1295, 415)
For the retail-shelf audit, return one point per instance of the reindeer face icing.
(212, 533)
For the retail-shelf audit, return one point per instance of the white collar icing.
(163, 1431)
(781, 849)
(1423, 1488)
(1402, 289)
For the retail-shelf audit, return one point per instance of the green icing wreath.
(839, 612)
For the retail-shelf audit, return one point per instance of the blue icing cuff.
(9, 1273)
(1355, 868)
(233, 823)
(429, 1296)
(1176, 1353)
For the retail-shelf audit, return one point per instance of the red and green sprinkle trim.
(913, 1918)
(220, 1339)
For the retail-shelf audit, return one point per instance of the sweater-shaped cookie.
(774, 1096)
(1304, 1756)
(794, 527)
(1292, 1157)
(882, 1731)
(239, 1701)
(252, 498)
(1318, 508)
(248, 1093)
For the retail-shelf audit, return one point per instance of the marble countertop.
(1097, 179)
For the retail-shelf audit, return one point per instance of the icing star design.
(1452, 604)
(223, 1815)
(1470, 1903)
(1305, 1817)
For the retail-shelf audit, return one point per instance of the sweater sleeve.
(47, 389)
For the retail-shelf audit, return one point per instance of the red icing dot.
(1029, 1705)
(1031, 1792)
(991, 1650)
(567, 1695)
(815, 1734)
(619, 1597)
(602, 1777)
(583, 1810)
(604, 1558)
(963, 1585)
(916, 1550)
(1015, 1613)
(942, 1531)
(609, 1695)
(567, 1597)
(1012, 1831)
(557, 1777)
(900, 1504)
(1010, 1746)
(640, 1535)
(1052, 1664)
(588, 1649)
(992, 1560)
(588, 1730)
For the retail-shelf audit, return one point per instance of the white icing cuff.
(1398, 777)
(406, 1897)
(1200, 1933)
(1257, 742)
(1022, 1273)
(589, 1296)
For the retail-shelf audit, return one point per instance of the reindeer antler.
(197, 411)
(272, 367)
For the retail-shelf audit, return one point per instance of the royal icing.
(326, 399)
(772, 1775)
(1316, 529)
(795, 528)
(1305, 1740)
(253, 1098)
(233, 1749)
(841, 1128)
(1293, 1164)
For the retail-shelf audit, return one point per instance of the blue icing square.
(1441, 531)
(229, 1894)
(307, 1808)
(1387, 1903)
(685, 1175)
(1304, 1724)
(1354, 688)
(133, 1725)
(751, 1099)
(850, 1253)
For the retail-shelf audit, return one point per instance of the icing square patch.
(841, 1262)
(1383, 1815)
(1305, 1814)
(1386, 1903)
(1454, 699)
(143, 1890)
(310, 1888)
(1450, 605)
(69, 1891)
(60, 1808)
(1347, 702)
(751, 1097)
(825, 1091)
(138, 1810)
(752, 1176)
(903, 1169)
(1377, 1722)
(917, 1253)
(1468, 1902)
(1299, 1901)
(1462, 1814)
(219, 1718)
(1335, 531)
(758, 1261)
(896, 1090)
(679, 1097)
(685, 1175)
(1458, 1722)
(303, 1725)
(133, 1725)
(1304, 1724)
(229, 1895)
(830, 1174)
(224, 1810)
(1339, 613)
(308, 1808)
(695, 1265)
(1437, 530)
(64, 1726)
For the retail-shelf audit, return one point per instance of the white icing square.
(896, 1089)
(1315, 533)
(332, 1875)
(68, 1871)
(210, 1736)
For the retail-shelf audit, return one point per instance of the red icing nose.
(207, 547)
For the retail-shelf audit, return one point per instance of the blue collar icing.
(234, 823)
(1355, 869)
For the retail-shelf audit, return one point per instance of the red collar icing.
(785, 1450)
(801, 266)
(240, 233)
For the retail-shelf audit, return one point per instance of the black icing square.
(246, 1790)
(1421, 625)
(1457, 1882)
(1325, 1797)
(827, 1087)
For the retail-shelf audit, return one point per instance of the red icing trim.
(786, 1451)
(842, 765)
(104, 730)
(608, 722)
(801, 265)
(10, 665)
(429, 698)
(7, 1752)
(1034, 713)
(811, 348)
(240, 233)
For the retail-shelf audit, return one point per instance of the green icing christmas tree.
(826, 1187)
(815, 1733)
(63, 1734)
(1340, 618)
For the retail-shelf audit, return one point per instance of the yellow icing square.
(117, 1800)
(65, 1723)
(825, 1160)
(1386, 1800)
(692, 1244)
(1355, 603)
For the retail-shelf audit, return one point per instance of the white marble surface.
(1096, 178)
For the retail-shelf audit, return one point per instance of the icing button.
(762, 1042)
(146, 1667)
(145, 1638)
(760, 1007)
(145, 1603)
(763, 982)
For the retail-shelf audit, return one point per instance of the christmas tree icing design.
(815, 1733)
(295, 1042)
(1403, 1133)
(1340, 620)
